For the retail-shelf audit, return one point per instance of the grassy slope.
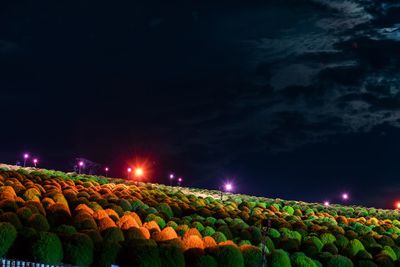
(194, 221)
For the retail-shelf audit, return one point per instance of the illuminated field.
(52, 217)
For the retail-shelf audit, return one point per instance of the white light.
(326, 203)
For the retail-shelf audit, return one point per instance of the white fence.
(18, 263)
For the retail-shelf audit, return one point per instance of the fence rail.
(19, 263)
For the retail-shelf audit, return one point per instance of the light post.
(35, 162)
(80, 166)
(265, 226)
(26, 157)
(345, 196)
(227, 188)
(129, 172)
(180, 181)
(106, 169)
(171, 178)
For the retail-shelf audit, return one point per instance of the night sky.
(291, 99)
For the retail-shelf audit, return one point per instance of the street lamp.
(171, 178)
(180, 181)
(129, 172)
(106, 169)
(345, 196)
(26, 156)
(228, 187)
(35, 162)
(80, 166)
(327, 204)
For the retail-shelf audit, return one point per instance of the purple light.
(35, 161)
(180, 180)
(26, 155)
(228, 187)
(106, 169)
(345, 196)
(171, 176)
(327, 204)
(80, 163)
(129, 169)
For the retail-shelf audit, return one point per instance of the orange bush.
(167, 233)
(209, 242)
(126, 222)
(105, 223)
(192, 241)
(192, 231)
(152, 226)
(84, 208)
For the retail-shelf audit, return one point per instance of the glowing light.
(397, 205)
(179, 179)
(228, 187)
(106, 169)
(35, 162)
(327, 204)
(26, 156)
(345, 196)
(171, 176)
(139, 172)
(129, 170)
(80, 163)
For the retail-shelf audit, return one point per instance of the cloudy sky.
(297, 99)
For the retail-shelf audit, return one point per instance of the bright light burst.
(327, 203)
(345, 196)
(139, 172)
(228, 187)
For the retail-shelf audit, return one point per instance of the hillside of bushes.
(52, 217)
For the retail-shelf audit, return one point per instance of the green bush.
(106, 253)
(143, 253)
(206, 261)
(47, 248)
(327, 238)
(171, 255)
(389, 252)
(113, 234)
(301, 260)
(279, 258)
(165, 209)
(39, 222)
(355, 246)
(8, 234)
(219, 237)
(252, 256)
(208, 231)
(229, 256)
(78, 249)
(340, 261)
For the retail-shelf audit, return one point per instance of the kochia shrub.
(47, 248)
(279, 258)
(78, 249)
(8, 235)
(340, 261)
(228, 256)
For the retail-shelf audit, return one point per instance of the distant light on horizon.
(397, 205)
(106, 169)
(345, 196)
(171, 176)
(80, 163)
(26, 155)
(327, 203)
(228, 187)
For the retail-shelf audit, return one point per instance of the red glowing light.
(397, 205)
(139, 172)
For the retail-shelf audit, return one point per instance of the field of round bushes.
(52, 217)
